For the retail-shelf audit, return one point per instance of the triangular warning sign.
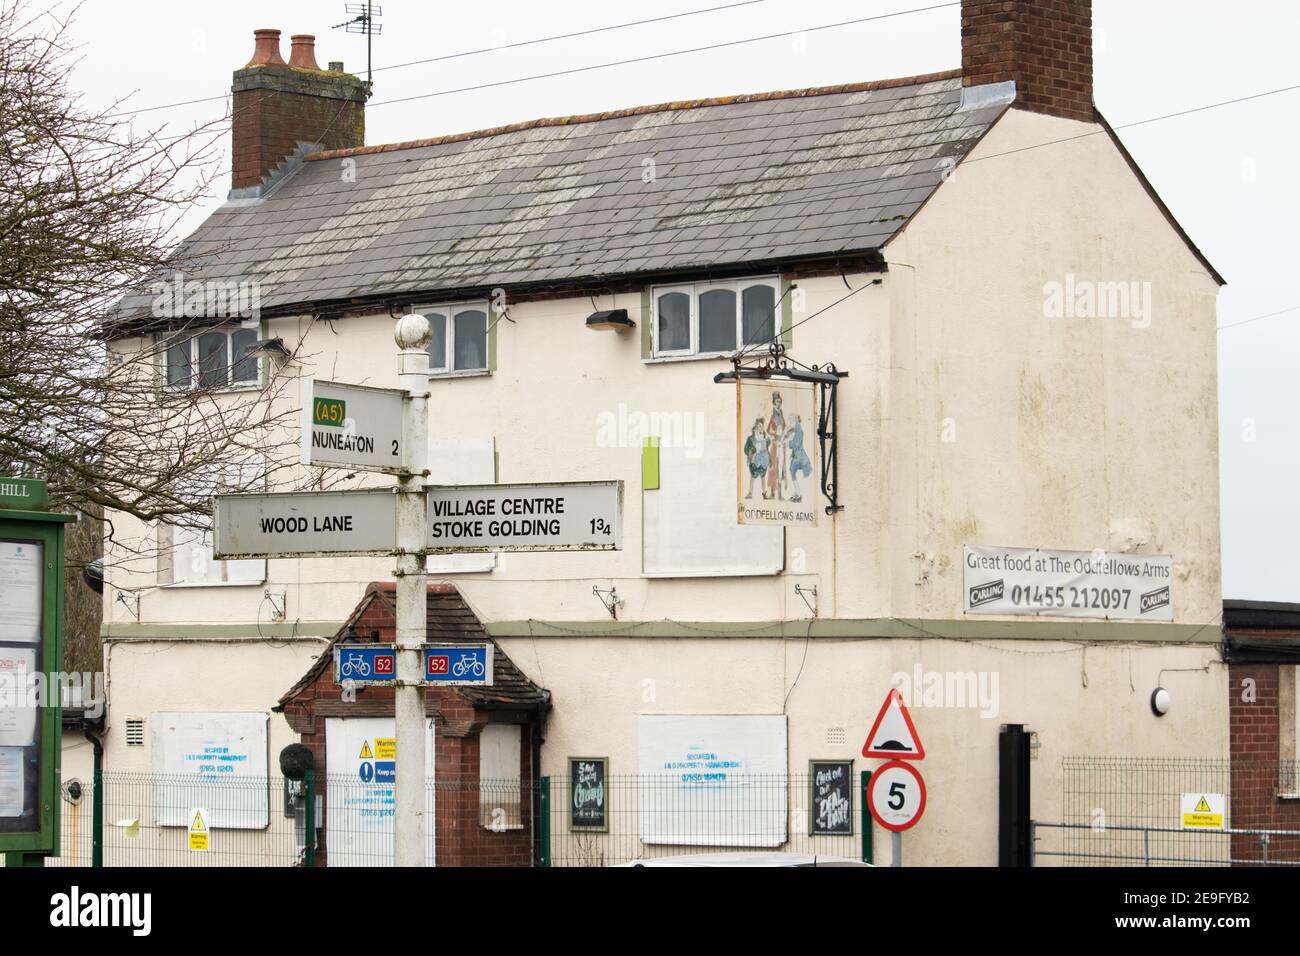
(365, 751)
(1203, 806)
(198, 826)
(893, 735)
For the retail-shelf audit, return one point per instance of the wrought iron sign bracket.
(826, 377)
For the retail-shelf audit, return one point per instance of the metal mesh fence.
(147, 821)
(645, 817)
(1130, 811)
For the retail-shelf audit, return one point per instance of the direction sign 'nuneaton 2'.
(353, 426)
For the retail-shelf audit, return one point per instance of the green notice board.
(31, 645)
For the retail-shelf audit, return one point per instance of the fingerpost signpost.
(386, 430)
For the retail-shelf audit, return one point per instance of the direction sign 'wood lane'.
(304, 523)
(352, 426)
(579, 516)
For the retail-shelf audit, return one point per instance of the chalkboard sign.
(588, 794)
(831, 783)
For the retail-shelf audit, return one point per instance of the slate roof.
(449, 619)
(760, 179)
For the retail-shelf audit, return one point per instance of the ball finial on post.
(412, 332)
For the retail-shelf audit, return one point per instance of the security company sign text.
(1097, 584)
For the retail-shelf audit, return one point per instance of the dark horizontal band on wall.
(250, 630)
(843, 628)
(870, 628)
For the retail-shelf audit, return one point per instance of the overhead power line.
(650, 57)
(491, 49)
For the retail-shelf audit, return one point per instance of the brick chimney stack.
(1043, 46)
(279, 105)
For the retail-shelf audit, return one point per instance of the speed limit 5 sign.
(896, 796)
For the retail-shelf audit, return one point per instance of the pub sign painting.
(776, 454)
(588, 798)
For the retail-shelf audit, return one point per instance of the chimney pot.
(266, 48)
(336, 66)
(303, 53)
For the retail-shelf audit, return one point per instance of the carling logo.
(1155, 599)
(987, 593)
(76, 909)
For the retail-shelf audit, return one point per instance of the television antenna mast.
(364, 17)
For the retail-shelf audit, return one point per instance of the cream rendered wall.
(1071, 433)
(189, 675)
(1077, 699)
(554, 379)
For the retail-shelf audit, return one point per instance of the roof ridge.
(639, 111)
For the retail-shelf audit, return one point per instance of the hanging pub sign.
(776, 453)
(589, 795)
(831, 783)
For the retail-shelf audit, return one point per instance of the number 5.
(897, 790)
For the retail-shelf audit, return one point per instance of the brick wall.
(461, 837)
(277, 107)
(1045, 46)
(1254, 735)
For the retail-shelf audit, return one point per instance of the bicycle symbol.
(354, 663)
(468, 664)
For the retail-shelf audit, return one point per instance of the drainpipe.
(92, 728)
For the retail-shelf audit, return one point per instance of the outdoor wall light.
(272, 348)
(1160, 702)
(616, 319)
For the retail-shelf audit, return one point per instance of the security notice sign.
(1202, 811)
(583, 516)
(351, 426)
(304, 523)
(1099, 584)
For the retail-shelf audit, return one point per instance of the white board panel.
(689, 525)
(359, 791)
(461, 461)
(710, 780)
(212, 760)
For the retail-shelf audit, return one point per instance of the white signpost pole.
(412, 337)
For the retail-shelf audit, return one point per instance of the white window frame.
(450, 309)
(695, 291)
(192, 340)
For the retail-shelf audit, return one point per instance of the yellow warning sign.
(200, 838)
(385, 748)
(365, 751)
(1203, 811)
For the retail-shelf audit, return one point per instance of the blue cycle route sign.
(457, 664)
(365, 663)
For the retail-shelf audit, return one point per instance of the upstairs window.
(713, 318)
(459, 342)
(217, 358)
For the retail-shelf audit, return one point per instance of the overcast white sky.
(1229, 174)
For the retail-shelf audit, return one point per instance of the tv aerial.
(364, 20)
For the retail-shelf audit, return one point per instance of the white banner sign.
(308, 522)
(1098, 584)
(351, 426)
(583, 516)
